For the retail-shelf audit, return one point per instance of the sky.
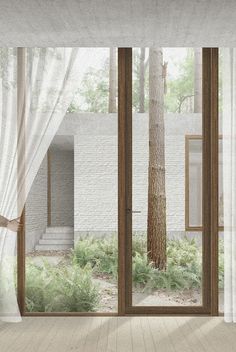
(95, 57)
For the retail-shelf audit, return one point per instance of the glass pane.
(194, 174)
(167, 251)
(71, 212)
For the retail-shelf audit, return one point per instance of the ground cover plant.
(72, 285)
(61, 288)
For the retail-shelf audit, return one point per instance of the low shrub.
(101, 254)
(142, 271)
(65, 287)
(76, 290)
(139, 244)
(184, 262)
(107, 257)
(39, 288)
(85, 252)
(174, 278)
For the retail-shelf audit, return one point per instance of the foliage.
(60, 288)
(183, 267)
(139, 244)
(70, 286)
(181, 88)
(101, 254)
(76, 290)
(85, 251)
(135, 81)
(92, 96)
(107, 254)
(174, 278)
(142, 271)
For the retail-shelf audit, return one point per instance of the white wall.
(36, 208)
(96, 171)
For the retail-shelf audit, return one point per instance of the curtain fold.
(51, 81)
(229, 180)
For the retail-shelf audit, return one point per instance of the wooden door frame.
(210, 195)
(124, 175)
(210, 173)
(210, 202)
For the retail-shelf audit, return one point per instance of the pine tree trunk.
(197, 80)
(156, 227)
(142, 81)
(112, 81)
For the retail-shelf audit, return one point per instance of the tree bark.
(156, 226)
(112, 81)
(197, 80)
(142, 81)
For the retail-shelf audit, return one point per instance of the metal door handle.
(133, 211)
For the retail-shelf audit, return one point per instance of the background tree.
(140, 85)
(93, 91)
(142, 80)
(198, 80)
(112, 81)
(180, 89)
(156, 224)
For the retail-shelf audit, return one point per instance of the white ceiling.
(118, 23)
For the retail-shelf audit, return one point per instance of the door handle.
(133, 211)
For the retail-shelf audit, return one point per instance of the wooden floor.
(88, 334)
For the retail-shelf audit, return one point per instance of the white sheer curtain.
(229, 180)
(52, 78)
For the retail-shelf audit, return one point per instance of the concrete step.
(58, 236)
(56, 241)
(60, 229)
(52, 247)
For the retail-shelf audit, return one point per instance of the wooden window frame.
(210, 191)
(188, 227)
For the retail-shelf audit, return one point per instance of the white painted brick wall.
(96, 183)
(36, 208)
(96, 171)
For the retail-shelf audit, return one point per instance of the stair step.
(55, 241)
(59, 229)
(58, 236)
(53, 247)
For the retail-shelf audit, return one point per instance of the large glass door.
(70, 237)
(169, 230)
(165, 202)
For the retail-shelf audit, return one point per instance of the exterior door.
(168, 185)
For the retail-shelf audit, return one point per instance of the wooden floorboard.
(118, 334)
